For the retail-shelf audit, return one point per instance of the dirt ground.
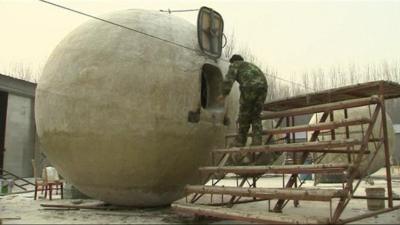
(23, 209)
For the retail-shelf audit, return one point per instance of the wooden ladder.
(292, 189)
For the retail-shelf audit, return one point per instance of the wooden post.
(386, 147)
(343, 201)
(347, 134)
(331, 117)
(295, 202)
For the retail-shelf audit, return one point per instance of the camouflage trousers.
(251, 106)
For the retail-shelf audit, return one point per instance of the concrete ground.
(23, 209)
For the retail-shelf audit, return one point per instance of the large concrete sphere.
(112, 109)
(356, 133)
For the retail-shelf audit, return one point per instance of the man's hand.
(221, 98)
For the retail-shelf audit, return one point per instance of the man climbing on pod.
(253, 92)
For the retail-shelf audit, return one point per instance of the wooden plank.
(315, 150)
(99, 206)
(293, 147)
(270, 193)
(312, 127)
(391, 90)
(287, 169)
(240, 215)
(320, 126)
(9, 218)
(368, 214)
(321, 108)
(371, 197)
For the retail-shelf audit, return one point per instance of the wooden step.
(240, 215)
(313, 127)
(287, 169)
(315, 146)
(269, 193)
(321, 108)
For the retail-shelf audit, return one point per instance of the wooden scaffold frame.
(325, 103)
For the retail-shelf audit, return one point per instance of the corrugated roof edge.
(15, 78)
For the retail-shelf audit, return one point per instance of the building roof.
(389, 90)
(17, 86)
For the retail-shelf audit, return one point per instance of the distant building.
(17, 125)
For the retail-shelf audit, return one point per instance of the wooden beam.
(295, 169)
(386, 149)
(369, 214)
(302, 146)
(319, 150)
(100, 206)
(269, 193)
(391, 90)
(240, 215)
(312, 127)
(371, 197)
(320, 126)
(321, 108)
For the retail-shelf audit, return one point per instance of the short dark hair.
(236, 58)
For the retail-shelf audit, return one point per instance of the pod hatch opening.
(211, 85)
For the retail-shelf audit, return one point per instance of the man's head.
(236, 58)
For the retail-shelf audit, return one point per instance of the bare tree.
(23, 71)
(336, 76)
(272, 84)
(352, 74)
(368, 72)
(277, 87)
(230, 46)
(305, 80)
(248, 55)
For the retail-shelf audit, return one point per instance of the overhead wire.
(153, 36)
(119, 25)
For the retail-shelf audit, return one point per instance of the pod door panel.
(210, 27)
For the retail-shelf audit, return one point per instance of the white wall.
(20, 136)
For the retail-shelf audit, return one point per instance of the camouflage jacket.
(246, 74)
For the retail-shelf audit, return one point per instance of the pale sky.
(290, 37)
